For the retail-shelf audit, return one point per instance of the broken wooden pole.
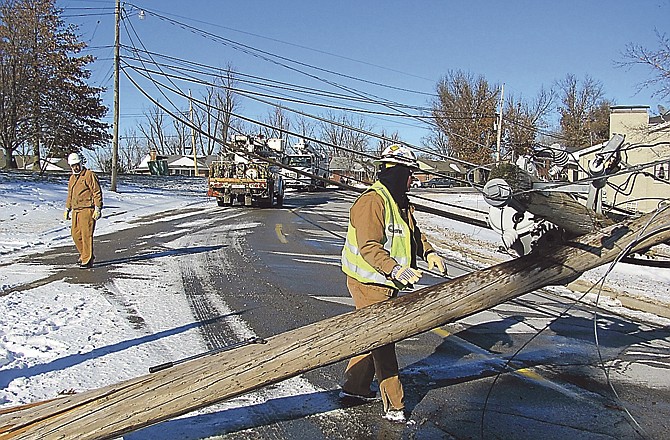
(117, 409)
(553, 202)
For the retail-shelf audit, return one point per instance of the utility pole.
(190, 110)
(500, 112)
(115, 139)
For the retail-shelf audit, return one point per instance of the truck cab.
(306, 167)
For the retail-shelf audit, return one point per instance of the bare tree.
(523, 120)
(386, 139)
(464, 113)
(154, 131)
(348, 132)
(436, 141)
(227, 104)
(176, 144)
(204, 118)
(279, 123)
(657, 60)
(132, 150)
(306, 127)
(584, 112)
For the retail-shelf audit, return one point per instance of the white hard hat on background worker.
(73, 159)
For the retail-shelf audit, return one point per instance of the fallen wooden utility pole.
(118, 409)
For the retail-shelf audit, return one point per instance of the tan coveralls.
(367, 216)
(83, 195)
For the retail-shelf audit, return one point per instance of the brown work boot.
(87, 265)
(358, 398)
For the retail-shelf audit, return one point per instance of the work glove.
(97, 213)
(435, 261)
(406, 275)
(66, 214)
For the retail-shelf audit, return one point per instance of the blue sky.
(526, 45)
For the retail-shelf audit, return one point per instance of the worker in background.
(379, 259)
(84, 206)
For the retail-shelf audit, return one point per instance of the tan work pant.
(381, 362)
(83, 226)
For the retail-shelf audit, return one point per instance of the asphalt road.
(540, 366)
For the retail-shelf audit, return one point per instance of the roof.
(178, 161)
(629, 108)
(26, 163)
(344, 163)
(443, 166)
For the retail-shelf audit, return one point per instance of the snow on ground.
(62, 327)
(62, 337)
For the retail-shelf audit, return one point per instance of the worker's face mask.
(395, 179)
(76, 168)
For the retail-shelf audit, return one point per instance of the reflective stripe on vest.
(396, 242)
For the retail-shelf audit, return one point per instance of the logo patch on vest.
(395, 230)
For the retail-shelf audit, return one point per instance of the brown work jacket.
(367, 216)
(83, 191)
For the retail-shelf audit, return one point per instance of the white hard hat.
(73, 159)
(399, 154)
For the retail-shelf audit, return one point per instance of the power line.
(355, 129)
(269, 57)
(300, 46)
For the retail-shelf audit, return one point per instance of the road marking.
(327, 263)
(513, 367)
(346, 300)
(280, 234)
(441, 332)
(337, 257)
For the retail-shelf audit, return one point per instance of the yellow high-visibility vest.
(397, 241)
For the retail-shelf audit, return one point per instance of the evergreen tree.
(46, 102)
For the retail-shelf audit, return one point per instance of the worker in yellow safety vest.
(379, 259)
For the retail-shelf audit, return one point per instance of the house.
(346, 170)
(647, 141)
(174, 165)
(445, 167)
(26, 163)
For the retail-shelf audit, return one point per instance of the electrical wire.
(248, 48)
(641, 238)
(268, 56)
(358, 130)
(303, 47)
(335, 147)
